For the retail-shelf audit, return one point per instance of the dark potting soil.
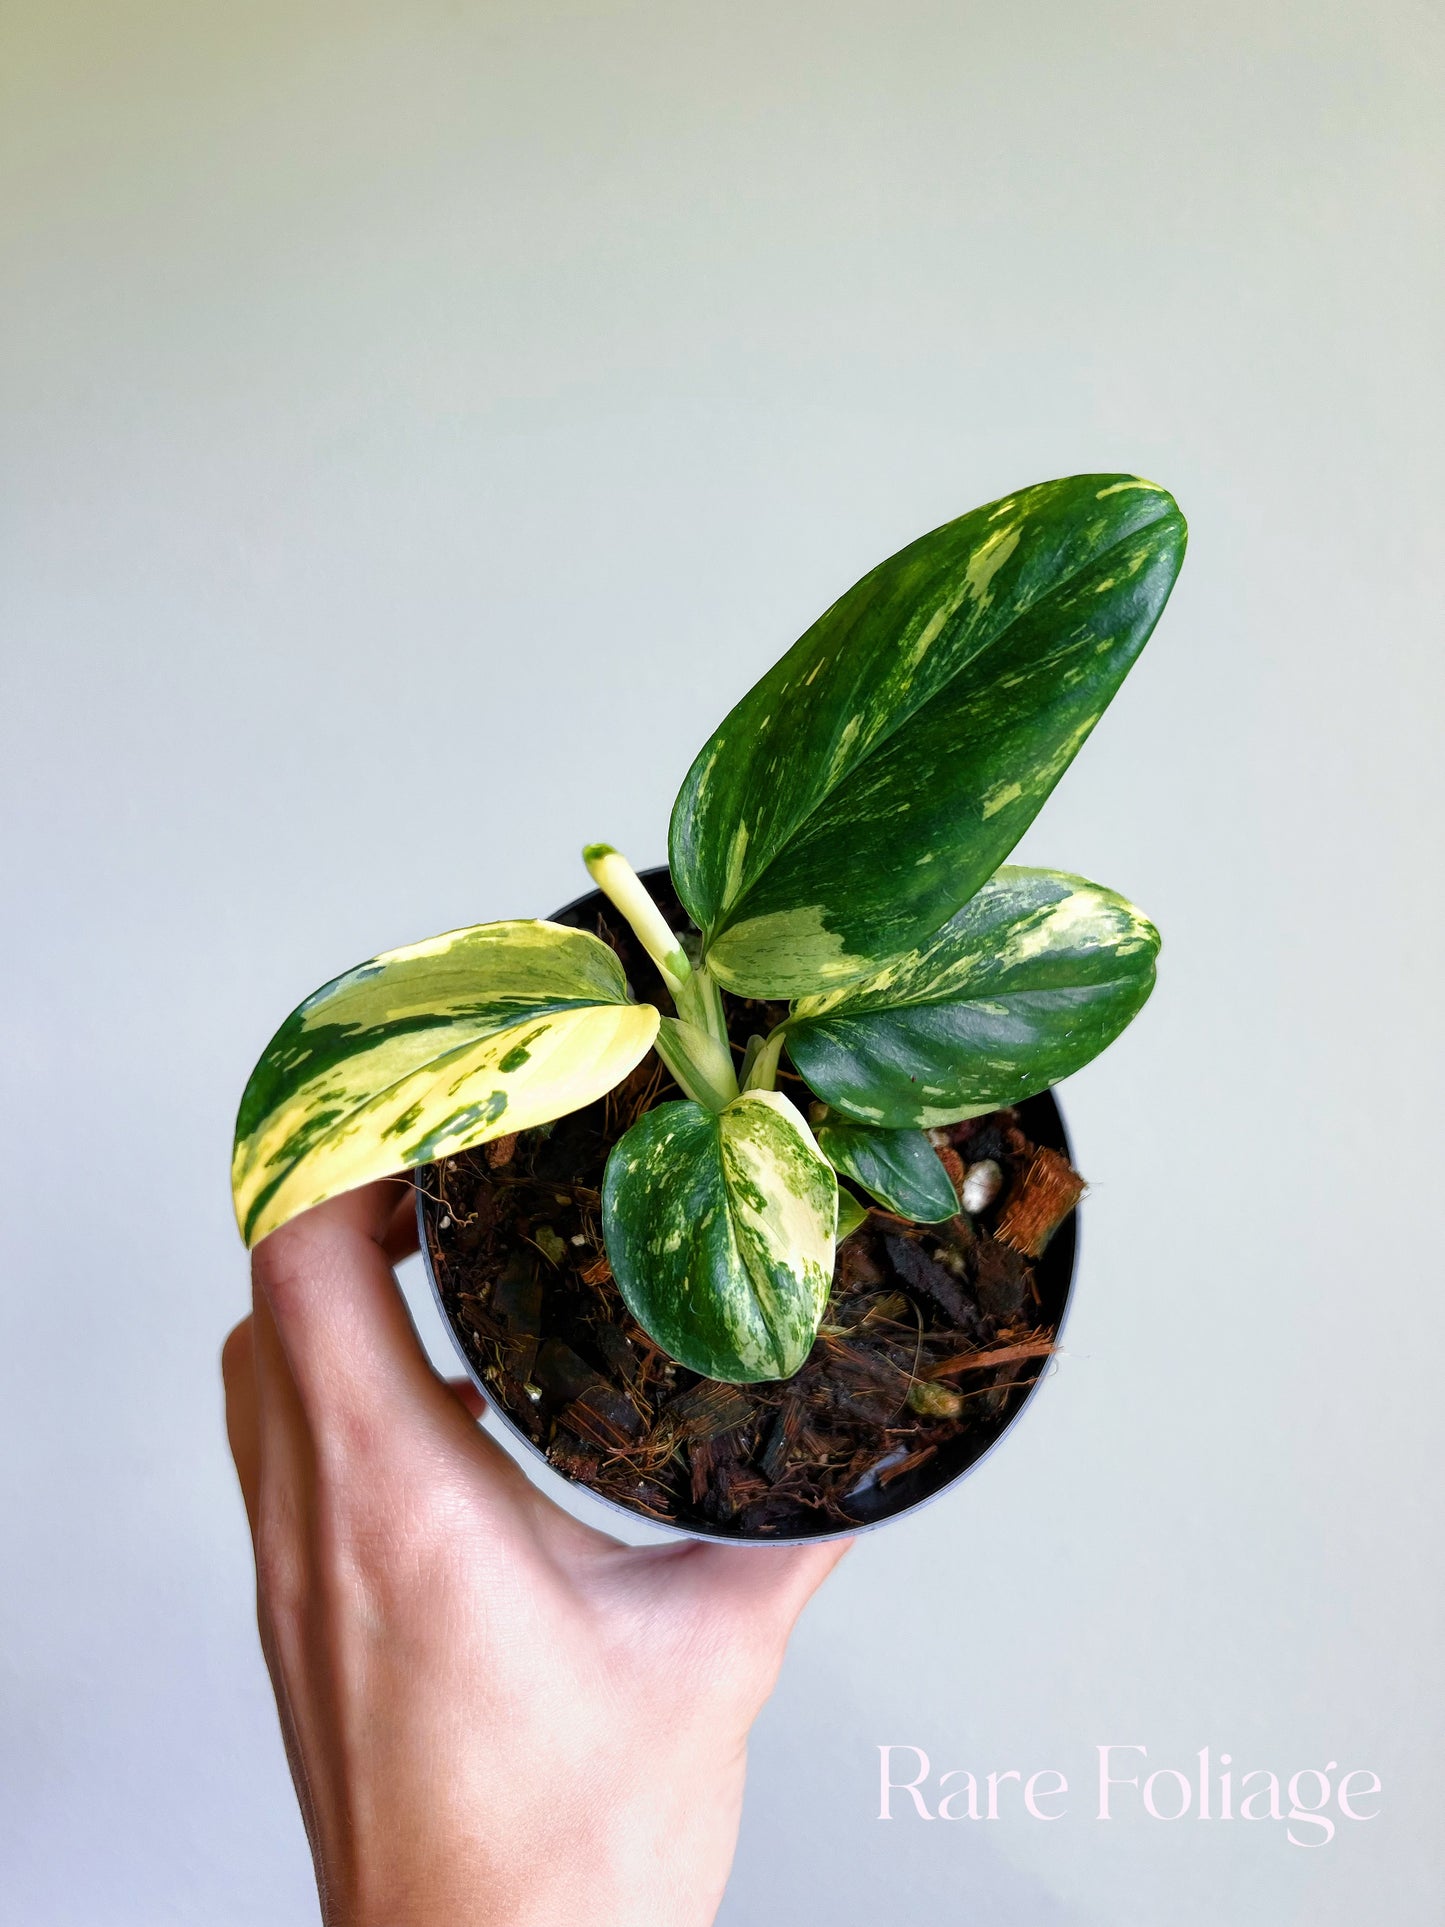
(930, 1340)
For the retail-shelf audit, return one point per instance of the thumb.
(327, 1280)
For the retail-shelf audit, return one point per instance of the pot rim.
(670, 1527)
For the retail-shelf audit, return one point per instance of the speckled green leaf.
(1027, 982)
(898, 1168)
(719, 1227)
(427, 1051)
(884, 768)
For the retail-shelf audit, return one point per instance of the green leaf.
(851, 1214)
(427, 1051)
(719, 1228)
(884, 768)
(1031, 979)
(899, 1168)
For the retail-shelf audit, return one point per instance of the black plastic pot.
(1041, 1120)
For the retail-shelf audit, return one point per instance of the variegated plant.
(837, 844)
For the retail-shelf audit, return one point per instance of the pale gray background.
(420, 423)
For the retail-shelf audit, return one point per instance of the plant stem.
(702, 1066)
(750, 1057)
(763, 1071)
(620, 883)
(707, 1004)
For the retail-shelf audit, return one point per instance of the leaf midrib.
(962, 997)
(907, 715)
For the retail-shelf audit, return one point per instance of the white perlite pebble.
(982, 1183)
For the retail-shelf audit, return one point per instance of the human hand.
(492, 1712)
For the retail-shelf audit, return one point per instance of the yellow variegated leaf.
(1032, 978)
(427, 1051)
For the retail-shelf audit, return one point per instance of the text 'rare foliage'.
(837, 843)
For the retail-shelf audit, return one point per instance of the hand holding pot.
(492, 1713)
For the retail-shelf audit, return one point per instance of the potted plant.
(652, 1136)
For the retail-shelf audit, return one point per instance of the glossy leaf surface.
(1027, 982)
(719, 1228)
(427, 1051)
(884, 768)
(900, 1169)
